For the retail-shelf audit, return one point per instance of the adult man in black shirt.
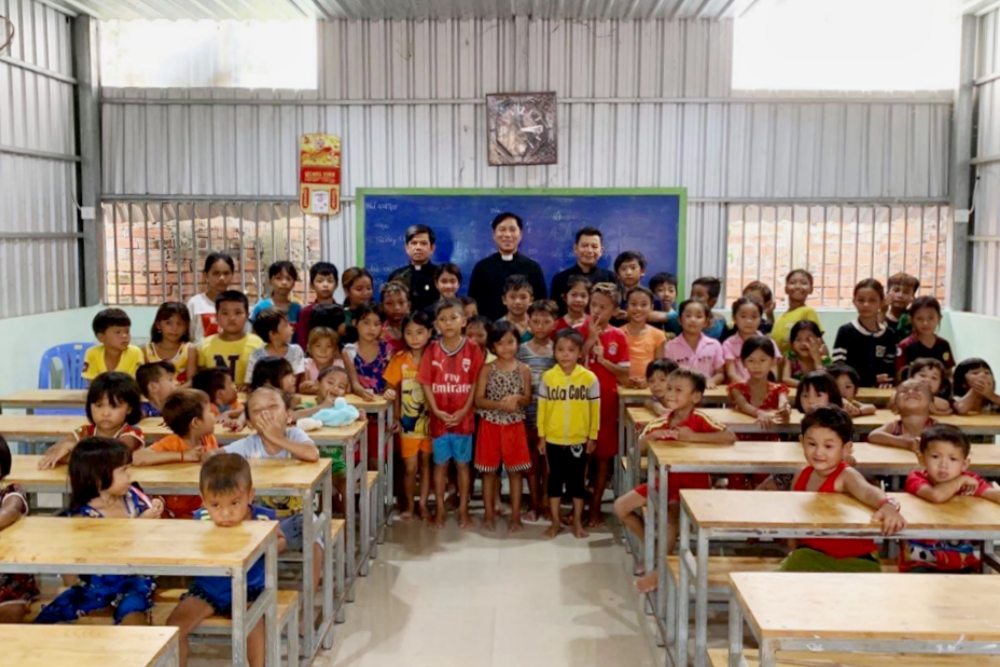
(489, 274)
(418, 275)
(588, 248)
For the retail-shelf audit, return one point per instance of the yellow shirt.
(569, 406)
(94, 362)
(229, 355)
(782, 329)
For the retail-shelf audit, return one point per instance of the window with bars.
(155, 251)
(839, 245)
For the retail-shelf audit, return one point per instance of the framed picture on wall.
(521, 128)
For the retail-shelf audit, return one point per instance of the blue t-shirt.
(293, 310)
(252, 447)
(221, 588)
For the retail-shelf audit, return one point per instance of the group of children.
(533, 394)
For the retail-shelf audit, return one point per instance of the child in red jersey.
(448, 372)
(944, 454)
(606, 354)
(826, 440)
(684, 422)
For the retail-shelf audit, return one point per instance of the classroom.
(499, 332)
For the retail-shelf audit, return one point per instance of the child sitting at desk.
(114, 353)
(848, 382)
(683, 422)
(222, 394)
(156, 381)
(230, 349)
(100, 487)
(944, 455)
(267, 412)
(189, 415)
(656, 379)
(934, 374)
(226, 489)
(113, 410)
(17, 591)
(757, 396)
(913, 401)
(272, 327)
(826, 440)
(975, 388)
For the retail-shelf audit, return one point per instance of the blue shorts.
(452, 446)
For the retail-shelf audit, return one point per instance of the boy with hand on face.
(418, 275)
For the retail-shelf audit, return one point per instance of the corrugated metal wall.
(38, 223)
(406, 97)
(986, 235)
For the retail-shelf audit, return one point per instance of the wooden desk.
(739, 515)
(719, 396)
(88, 646)
(868, 613)
(719, 657)
(273, 477)
(177, 548)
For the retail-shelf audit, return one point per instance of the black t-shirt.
(420, 280)
(870, 353)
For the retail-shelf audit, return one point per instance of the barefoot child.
(913, 401)
(645, 343)
(944, 455)
(826, 440)
(101, 488)
(17, 591)
(684, 422)
(606, 354)
(975, 388)
(448, 372)
(569, 414)
(805, 354)
(503, 391)
(227, 492)
(539, 355)
(411, 410)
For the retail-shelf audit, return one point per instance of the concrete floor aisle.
(467, 598)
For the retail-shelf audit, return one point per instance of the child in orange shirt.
(645, 343)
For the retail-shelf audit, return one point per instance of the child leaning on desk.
(944, 455)
(913, 401)
(686, 423)
(826, 440)
(113, 410)
(17, 591)
(226, 488)
(100, 487)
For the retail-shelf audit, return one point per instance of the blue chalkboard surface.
(648, 220)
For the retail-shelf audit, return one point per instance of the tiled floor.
(466, 598)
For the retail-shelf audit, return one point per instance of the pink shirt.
(707, 359)
(731, 349)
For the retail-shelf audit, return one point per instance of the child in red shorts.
(503, 391)
(605, 354)
(683, 422)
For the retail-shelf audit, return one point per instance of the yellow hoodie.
(569, 406)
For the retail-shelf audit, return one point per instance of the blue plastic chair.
(71, 356)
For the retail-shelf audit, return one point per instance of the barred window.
(839, 245)
(155, 252)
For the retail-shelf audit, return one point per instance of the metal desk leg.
(390, 496)
(365, 508)
(293, 637)
(619, 480)
(329, 552)
(309, 566)
(662, 550)
(350, 516)
(381, 454)
(650, 526)
(768, 653)
(239, 623)
(735, 633)
(701, 602)
(272, 632)
(683, 588)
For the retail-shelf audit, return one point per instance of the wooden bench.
(720, 567)
(166, 600)
(69, 645)
(719, 657)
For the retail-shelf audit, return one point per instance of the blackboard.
(648, 220)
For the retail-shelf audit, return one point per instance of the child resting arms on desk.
(826, 440)
(944, 455)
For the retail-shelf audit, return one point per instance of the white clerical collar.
(507, 258)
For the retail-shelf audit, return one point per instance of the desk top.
(929, 607)
(761, 454)
(84, 645)
(269, 474)
(131, 542)
(716, 394)
(641, 416)
(778, 510)
(719, 657)
(153, 429)
(43, 398)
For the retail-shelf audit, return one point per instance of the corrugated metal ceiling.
(408, 9)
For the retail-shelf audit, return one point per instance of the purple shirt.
(731, 349)
(707, 359)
